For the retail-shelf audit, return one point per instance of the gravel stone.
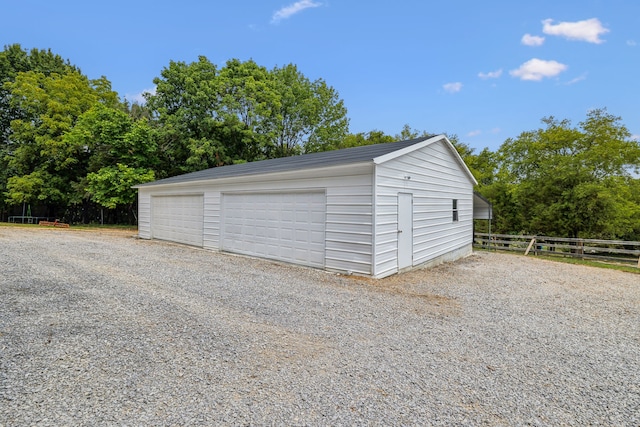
(101, 328)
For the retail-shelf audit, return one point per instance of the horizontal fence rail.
(26, 219)
(617, 251)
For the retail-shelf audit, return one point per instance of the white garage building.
(371, 210)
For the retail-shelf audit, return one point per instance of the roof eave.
(252, 176)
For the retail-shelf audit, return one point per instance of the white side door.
(405, 230)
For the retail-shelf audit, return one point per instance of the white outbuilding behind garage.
(372, 210)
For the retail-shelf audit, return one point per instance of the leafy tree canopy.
(572, 181)
(110, 187)
(13, 61)
(242, 112)
(51, 105)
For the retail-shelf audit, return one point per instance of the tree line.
(71, 148)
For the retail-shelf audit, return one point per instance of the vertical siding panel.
(212, 220)
(349, 225)
(374, 222)
(144, 214)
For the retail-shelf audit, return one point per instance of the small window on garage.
(455, 210)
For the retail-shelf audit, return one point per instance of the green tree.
(483, 166)
(116, 150)
(15, 60)
(634, 200)
(408, 133)
(187, 106)
(108, 136)
(137, 111)
(249, 100)
(110, 187)
(51, 105)
(328, 117)
(308, 117)
(365, 138)
(208, 117)
(572, 182)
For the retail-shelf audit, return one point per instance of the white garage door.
(178, 218)
(284, 226)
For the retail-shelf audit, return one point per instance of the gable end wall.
(436, 179)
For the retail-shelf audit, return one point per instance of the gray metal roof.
(284, 164)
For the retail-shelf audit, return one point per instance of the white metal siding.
(211, 231)
(349, 226)
(283, 226)
(144, 214)
(178, 218)
(435, 178)
(348, 221)
(481, 208)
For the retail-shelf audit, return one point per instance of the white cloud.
(577, 79)
(474, 133)
(138, 97)
(631, 43)
(292, 9)
(452, 87)
(496, 130)
(491, 74)
(536, 69)
(636, 137)
(530, 40)
(588, 30)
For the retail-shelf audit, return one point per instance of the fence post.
(581, 247)
(530, 246)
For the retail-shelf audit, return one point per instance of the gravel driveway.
(99, 328)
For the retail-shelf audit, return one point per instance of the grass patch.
(87, 227)
(105, 227)
(569, 260)
(592, 263)
(16, 224)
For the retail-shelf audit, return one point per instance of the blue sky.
(484, 70)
